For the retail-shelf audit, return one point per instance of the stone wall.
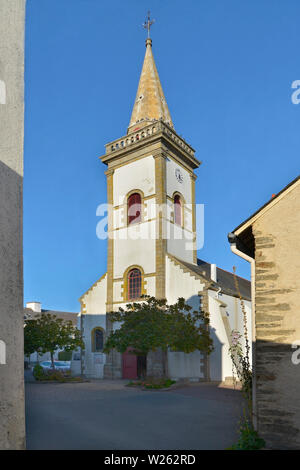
(12, 429)
(277, 244)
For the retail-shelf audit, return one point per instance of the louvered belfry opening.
(177, 210)
(134, 208)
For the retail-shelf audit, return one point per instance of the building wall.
(277, 245)
(183, 284)
(179, 238)
(135, 244)
(12, 428)
(35, 357)
(94, 300)
(92, 315)
(225, 315)
(93, 362)
(139, 174)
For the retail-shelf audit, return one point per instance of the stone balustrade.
(146, 132)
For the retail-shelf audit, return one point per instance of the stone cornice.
(156, 131)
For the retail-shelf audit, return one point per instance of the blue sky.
(226, 68)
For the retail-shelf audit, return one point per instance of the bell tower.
(151, 198)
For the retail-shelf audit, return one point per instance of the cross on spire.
(148, 23)
(150, 103)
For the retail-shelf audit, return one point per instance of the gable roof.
(272, 201)
(66, 316)
(225, 279)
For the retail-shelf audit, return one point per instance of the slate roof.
(67, 316)
(225, 279)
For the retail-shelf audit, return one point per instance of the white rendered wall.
(179, 239)
(95, 298)
(94, 361)
(236, 317)
(179, 243)
(220, 363)
(134, 247)
(185, 366)
(118, 291)
(150, 285)
(93, 311)
(172, 184)
(181, 284)
(139, 174)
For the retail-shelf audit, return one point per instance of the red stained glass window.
(177, 210)
(134, 208)
(134, 284)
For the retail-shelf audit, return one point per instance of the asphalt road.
(107, 415)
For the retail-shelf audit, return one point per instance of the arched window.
(177, 210)
(134, 284)
(97, 339)
(134, 208)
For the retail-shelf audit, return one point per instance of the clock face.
(179, 175)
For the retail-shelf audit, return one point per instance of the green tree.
(153, 324)
(32, 339)
(47, 333)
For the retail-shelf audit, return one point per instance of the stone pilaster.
(193, 180)
(161, 242)
(113, 365)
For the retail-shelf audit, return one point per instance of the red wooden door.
(129, 366)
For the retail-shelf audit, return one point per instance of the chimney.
(35, 306)
(213, 272)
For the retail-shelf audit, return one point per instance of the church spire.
(150, 103)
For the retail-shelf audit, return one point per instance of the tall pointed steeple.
(150, 103)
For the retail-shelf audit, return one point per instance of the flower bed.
(152, 383)
(55, 375)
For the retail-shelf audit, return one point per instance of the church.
(152, 246)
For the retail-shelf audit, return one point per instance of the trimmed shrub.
(65, 356)
(38, 372)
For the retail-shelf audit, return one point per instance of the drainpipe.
(232, 238)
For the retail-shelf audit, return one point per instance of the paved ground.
(108, 415)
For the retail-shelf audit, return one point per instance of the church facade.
(152, 246)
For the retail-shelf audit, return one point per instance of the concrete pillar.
(12, 422)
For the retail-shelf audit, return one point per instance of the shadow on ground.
(108, 415)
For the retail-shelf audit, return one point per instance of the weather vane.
(148, 23)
